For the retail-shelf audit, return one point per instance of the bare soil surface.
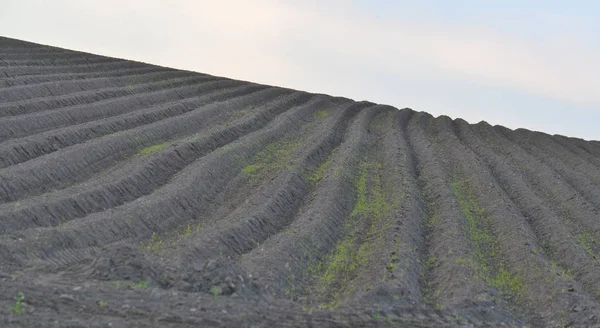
(133, 195)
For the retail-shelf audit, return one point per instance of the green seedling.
(141, 284)
(152, 149)
(18, 307)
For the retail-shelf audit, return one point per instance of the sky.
(518, 63)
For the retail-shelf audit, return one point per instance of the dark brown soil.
(133, 195)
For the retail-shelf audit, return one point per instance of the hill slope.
(139, 195)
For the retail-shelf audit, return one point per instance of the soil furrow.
(31, 80)
(10, 72)
(575, 178)
(448, 247)
(49, 55)
(586, 165)
(60, 169)
(580, 161)
(282, 183)
(139, 195)
(80, 110)
(558, 239)
(548, 184)
(282, 264)
(590, 147)
(406, 235)
(579, 151)
(139, 177)
(167, 208)
(126, 307)
(64, 88)
(19, 111)
(8, 50)
(504, 240)
(376, 260)
(21, 150)
(80, 59)
(178, 78)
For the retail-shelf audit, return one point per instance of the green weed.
(321, 113)
(276, 156)
(376, 316)
(431, 262)
(486, 257)
(291, 291)
(142, 284)
(215, 291)
(589, 243)
(343, 260)
(155, 243)
(18, 307)
(233, 116)
(562, 273)
(171, 80)
(188, 230)
(251, 168)
(462, 260)
(320, 172)
(153, 149)
(432, 221)
(506, 281)
(350, 253)
(586, 238)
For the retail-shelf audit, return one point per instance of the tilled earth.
(133, 195)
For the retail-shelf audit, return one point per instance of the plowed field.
(138, 195)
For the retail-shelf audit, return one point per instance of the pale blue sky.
(530, 64)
